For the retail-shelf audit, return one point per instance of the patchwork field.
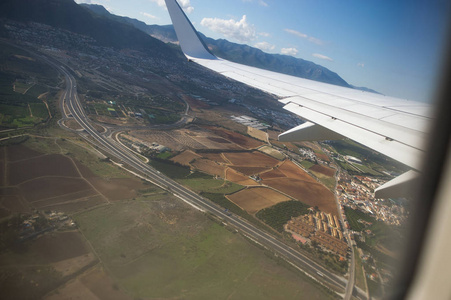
(210, 167)
(185, 157)
(272, 152)
(196, 138)
(283, 176)
(310, 193)
(41, 265)
(239, 178)
(323, 170)
(33, 180)
(237, 138)
(255, 199)
(251, 159)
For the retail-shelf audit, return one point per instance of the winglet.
(190, 41)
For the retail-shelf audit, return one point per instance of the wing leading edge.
(394, 127)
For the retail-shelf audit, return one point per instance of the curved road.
(117, 150)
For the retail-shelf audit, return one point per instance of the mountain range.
(123, 32)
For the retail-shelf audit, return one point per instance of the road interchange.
(127, 157)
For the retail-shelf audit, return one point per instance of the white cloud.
(260, 2)
(185, 4)
(265, 34)
(362, 65)
(289, 51)
(304, 36)
(160, 3)
(265, 46)
(240, 30)
(148, 15)
(320, 56)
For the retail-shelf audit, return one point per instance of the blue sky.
(392, 46)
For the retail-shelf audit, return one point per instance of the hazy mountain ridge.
(68, 15)
(236, 52)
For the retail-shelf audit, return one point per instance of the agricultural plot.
(272, 174)
(45, 165)
(257, 133)
(238, 178)
(272, 152)
(292, 171)
(210, 167)
(237, 138)
(54, 181)
(252, 159)
(40, 265)
(308, 192)
(330, 172)
(162, 249)
(248, 171)
(185, 157)
(278, 215)
(255, 199)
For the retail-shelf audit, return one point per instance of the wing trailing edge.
(394, 127)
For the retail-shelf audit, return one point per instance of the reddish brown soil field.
(272, 174)
(323, 170)
(57, 246)
(18, 152)
(185, 157)
(255, 199)
(292, 171)
(47, 165)
(233, 176)
(237, 138)
(213, 156)
(254, 159)
(218, 140)
(209, 166)
(313, 194)
(118, 188)
(249, 170)
(47, 187)
(322, 156)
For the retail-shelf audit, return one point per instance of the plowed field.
(251, 159)
(310, 193)
(255, 199)
(323, 170)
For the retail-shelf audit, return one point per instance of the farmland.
(278, 215)
(255, 199)
(157, 248)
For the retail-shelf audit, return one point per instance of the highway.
(120, 152)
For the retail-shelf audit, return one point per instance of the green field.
(278, 215)
(200, 182)
(160, 248)
(39, 110)
(307, 164)
(172, 170)
(359, 276)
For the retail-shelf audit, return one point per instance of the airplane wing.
(394, 127)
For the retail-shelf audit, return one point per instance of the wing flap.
(394, 127)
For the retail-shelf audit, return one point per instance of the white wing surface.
(394, 127)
